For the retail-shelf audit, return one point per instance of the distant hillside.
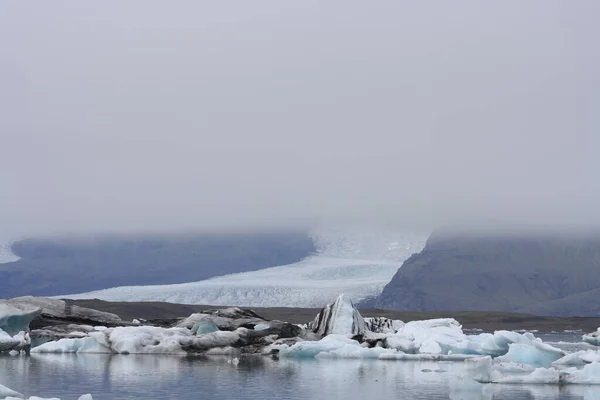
(543, 275)
(65, 265)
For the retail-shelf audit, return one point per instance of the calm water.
(169, 377)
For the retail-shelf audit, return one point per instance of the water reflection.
(171, 377)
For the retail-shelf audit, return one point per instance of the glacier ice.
(356, 262)
(15, 316)
(592, 338)
(579, 358)
(532, 353)
(9, 394)
(7, 342)
(339, 317)
(382, 324)
(486, 370)
(331, 346)
(204, 326)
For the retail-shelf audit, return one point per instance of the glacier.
(357, 262)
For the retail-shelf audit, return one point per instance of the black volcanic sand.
(488, 321)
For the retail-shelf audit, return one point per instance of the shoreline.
(487, 321)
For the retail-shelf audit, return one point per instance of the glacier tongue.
(357, 262)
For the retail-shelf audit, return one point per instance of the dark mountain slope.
(65, 265)
(458, 272)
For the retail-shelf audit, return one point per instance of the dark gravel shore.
(488, 321)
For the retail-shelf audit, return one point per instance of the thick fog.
(155, 115)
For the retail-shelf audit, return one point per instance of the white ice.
(9, 394)
(592, 338)
(486, 370)
(358, 263)
(140, 340)
(437, 339)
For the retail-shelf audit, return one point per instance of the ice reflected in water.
(255, 377)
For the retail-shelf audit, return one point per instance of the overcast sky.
(155, 115)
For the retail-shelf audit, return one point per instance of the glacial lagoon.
(109, 377)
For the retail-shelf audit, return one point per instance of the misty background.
(155, 116)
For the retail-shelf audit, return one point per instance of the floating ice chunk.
(534, 353)
(146, 339)
(340, 318)
(7, 392)
(401, 343)
(588, 375)
(204, 326)
(261, 327)
(80, 345)
(484, 370)
(15, 317)
(592, 338)
(579, 358)
(331, 346)
(7, 342)
(434, 336)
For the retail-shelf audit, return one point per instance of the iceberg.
(15, 317)
(486, 370)
(59, 309)
(205, 326)
(9, 394)
(592, 338)
(339, 317)
(533, 353)
(7, 342)
(579, 358)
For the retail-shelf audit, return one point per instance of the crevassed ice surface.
(357, 262)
